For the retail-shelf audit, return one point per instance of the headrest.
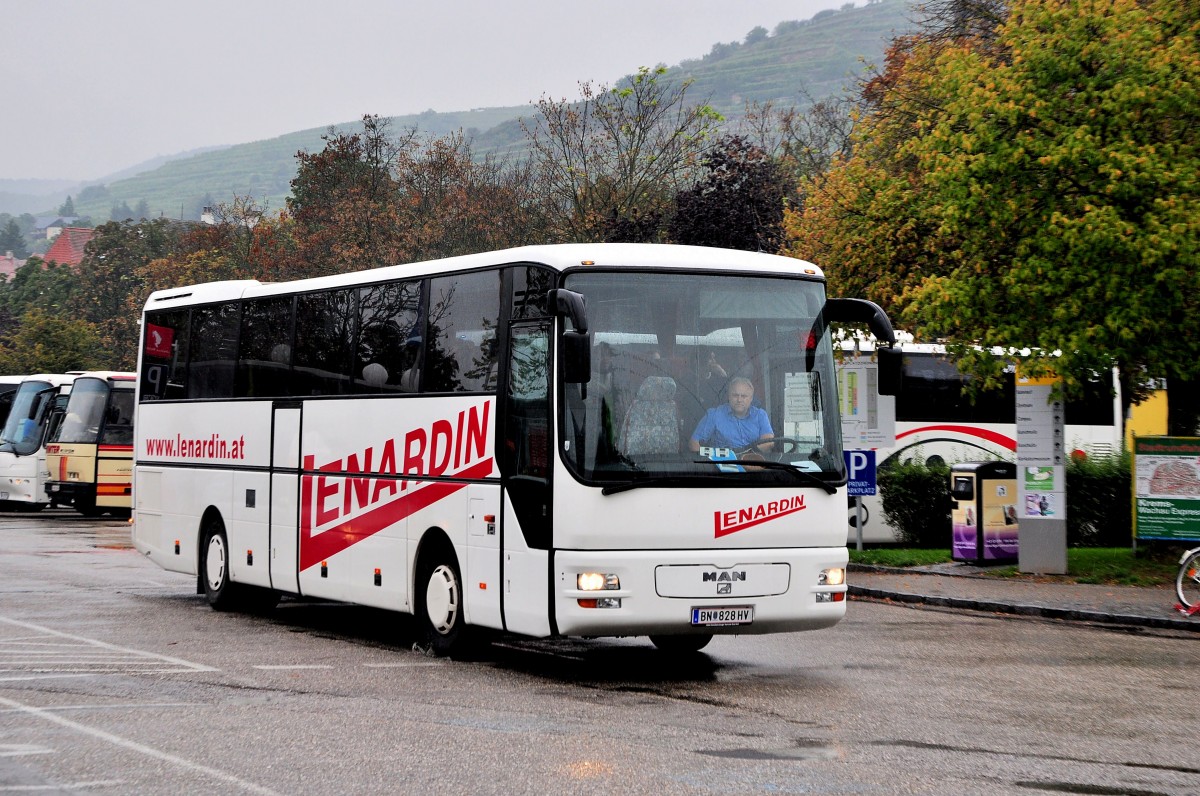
(657, 388)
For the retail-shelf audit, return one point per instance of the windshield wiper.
(662, 480)
(791, 468)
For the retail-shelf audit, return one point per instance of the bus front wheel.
(440, 609)
(214, 567)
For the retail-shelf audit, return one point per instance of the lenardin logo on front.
(727, 522)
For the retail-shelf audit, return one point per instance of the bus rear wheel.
(678, 644)
(439, 606)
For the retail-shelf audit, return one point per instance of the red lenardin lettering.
(342, 508)
(727, 522)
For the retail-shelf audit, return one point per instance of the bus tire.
(220, 591)
(680, 644)
(440, 602)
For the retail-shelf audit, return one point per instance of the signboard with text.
(1166, 473)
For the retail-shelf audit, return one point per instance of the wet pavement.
(960, 585)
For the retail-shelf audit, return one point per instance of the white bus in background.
(937, 423)
(8, 391)
(89, 456)
(500, 441)
(37, 406)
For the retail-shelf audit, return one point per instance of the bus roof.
(559, 257)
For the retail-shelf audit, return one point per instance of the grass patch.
(1113, 566)
(899, 557)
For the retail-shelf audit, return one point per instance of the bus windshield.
(697, 375)
(23, 429)
(85, 412)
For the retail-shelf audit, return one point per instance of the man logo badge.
(724, 588)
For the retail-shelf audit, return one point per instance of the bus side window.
(165, 355)
(460, 354)
(324, 342)
(213, 354)
(387, 357)
(118, 422)
(265, 348)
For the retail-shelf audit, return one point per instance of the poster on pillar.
(868, 418)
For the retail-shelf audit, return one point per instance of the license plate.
(723, 615)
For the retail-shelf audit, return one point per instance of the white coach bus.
(503, 441)
(35, 411)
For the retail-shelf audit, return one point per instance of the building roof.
(67, 248)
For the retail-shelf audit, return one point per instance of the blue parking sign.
(860, 472)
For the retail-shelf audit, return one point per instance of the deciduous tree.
(617, 154)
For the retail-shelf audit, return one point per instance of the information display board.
(1166, 473)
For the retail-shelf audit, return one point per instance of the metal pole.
(858, 520)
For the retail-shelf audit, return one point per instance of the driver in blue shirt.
(737, 424)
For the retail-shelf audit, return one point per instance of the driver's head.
(741, 394)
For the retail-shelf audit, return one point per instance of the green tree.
(1034, 188)
(67, 208)
(45, 343)
(110, 282)
(12, 240)
(617, 155)
(1065, 166)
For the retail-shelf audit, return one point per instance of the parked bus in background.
(89, 457)
(36, 409)
(938, 423)
(451, 439)
(8, 391)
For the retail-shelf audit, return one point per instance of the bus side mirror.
(891, 370)
(577, 357)
(571, 304)
(852, 310)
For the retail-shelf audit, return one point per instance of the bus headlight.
(835, 576)
(596, 581)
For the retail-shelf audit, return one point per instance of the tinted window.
(460, 354)
(529, 292)
(165, 355)
(265, 349)
(389, 338)
(118, 420)
(324, 342)
(213, 352)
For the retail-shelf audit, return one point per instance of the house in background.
(52, 226)
(67, 248)
(8, 266)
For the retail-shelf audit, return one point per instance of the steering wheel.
(779, 448)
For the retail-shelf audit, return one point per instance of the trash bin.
(983, 511)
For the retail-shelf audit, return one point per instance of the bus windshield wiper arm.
(791, 468)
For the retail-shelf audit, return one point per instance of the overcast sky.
(93, 87)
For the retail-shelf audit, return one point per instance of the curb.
(1017, 609)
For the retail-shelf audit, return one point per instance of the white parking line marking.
(295, 666)
(134, 746)
(53, 652)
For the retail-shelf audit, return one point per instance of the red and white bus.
(937, 422)
(89, 456)
(502, 441)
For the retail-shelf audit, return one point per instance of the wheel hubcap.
(441, 599)
(214, 563)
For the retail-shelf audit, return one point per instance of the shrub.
(916, 502)
(1100, 502)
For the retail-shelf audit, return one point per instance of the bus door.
(525, 456)
(285, 495)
